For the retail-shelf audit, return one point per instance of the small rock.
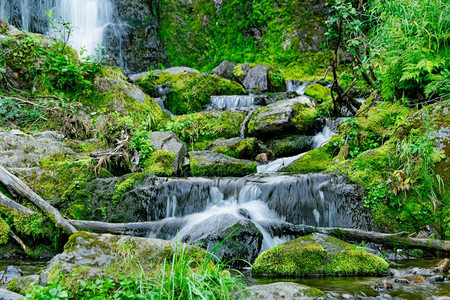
(224, 70)
(284, 290)
(402, 280)
(262, 157)
(11, 273)
(383, 286)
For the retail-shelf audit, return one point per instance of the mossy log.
(399, 240)
(5, 201)
(16, 186)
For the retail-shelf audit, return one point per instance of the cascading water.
(88, 19)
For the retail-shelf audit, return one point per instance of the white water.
(88, 19)
(297, 86)
(229, 102)
(247, 200)
(278, 164)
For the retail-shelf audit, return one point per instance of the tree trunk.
(15, 185)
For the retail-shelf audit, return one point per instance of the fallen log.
(5, 201)
(399, 240)
(169, 228)
(163, 229)
(20, 242)
(15, 185)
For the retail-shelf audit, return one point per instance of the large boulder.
(94, 251)
(225, 70)
(261, 79)
(318, 254)
(169, 142)
(236, 147)
(208, 163)
(284, 290)
(19, 150)
(8, 295)
(11, 273)
(236, 241)
(287, 116)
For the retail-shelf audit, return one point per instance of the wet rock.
(284, 290)
(236, 147)
(437, 278)
(318, 254)
(240, 241)
(261, 79)
(402, 280)
(240, 72)
(287, 116)
(225, 70)
(177, 70)
(383, 286)
(262, 157)
(289, 145)
(21, 284)
(94, 251)
(8, 295)
(11, 273)
(430, 231)
(169, 142)
(208, 163)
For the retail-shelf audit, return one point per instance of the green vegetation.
(244, 149)
(314, 255)
(191, 92)
(185, 273)
(160, 163)
(221, 165)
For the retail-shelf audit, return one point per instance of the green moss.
(191, 92)
(239, 73)
(199, 130)
(4, 230)
(244, 149)
(160, 163)
(318, 92)
(277, 82)
(304, 116)
(227, 166)
(312, 256)
(126, 184)
(317, 160)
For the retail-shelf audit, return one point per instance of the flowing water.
(88, 19)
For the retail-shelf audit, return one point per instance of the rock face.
(318, 254)
(10, 274)
(169, 142)
(7, 295)
(224, 70)
(208, 163)
(286, 116)
(19, 150)
(284, 290)
(94, 251)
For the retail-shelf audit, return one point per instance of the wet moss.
(160, 163)
(314, 256)
(123, 186)
(318, 92)
(277, 82)
(4, 230)
(304, 116)
(244, 149)
(220, 168)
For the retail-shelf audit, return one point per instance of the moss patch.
(205, 163)
(242, 148)
(318, 92)
(318, 254)
(160, 163)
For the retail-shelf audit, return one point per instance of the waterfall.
(88, 19)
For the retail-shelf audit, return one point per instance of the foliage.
(182, 276)
(411, 48)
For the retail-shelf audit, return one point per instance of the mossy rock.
(160, 163)
(208, 163)
(284, 290)
(314, 161)
(236, 147)
(318, 254)
(318, 92)
(200, 129)
(282, 117)
(191, 92)
(289, 145)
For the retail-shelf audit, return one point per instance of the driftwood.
(5, 201)
(20, 242)
(14, 184)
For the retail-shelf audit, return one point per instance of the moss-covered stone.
(236, 147)
(160, 163)
(199, 130)
(318, 254)
(277, 82)
(317, 160)
(191, 92)
(289, 145)
(207, 163)
(318, 92)
(4, 230)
